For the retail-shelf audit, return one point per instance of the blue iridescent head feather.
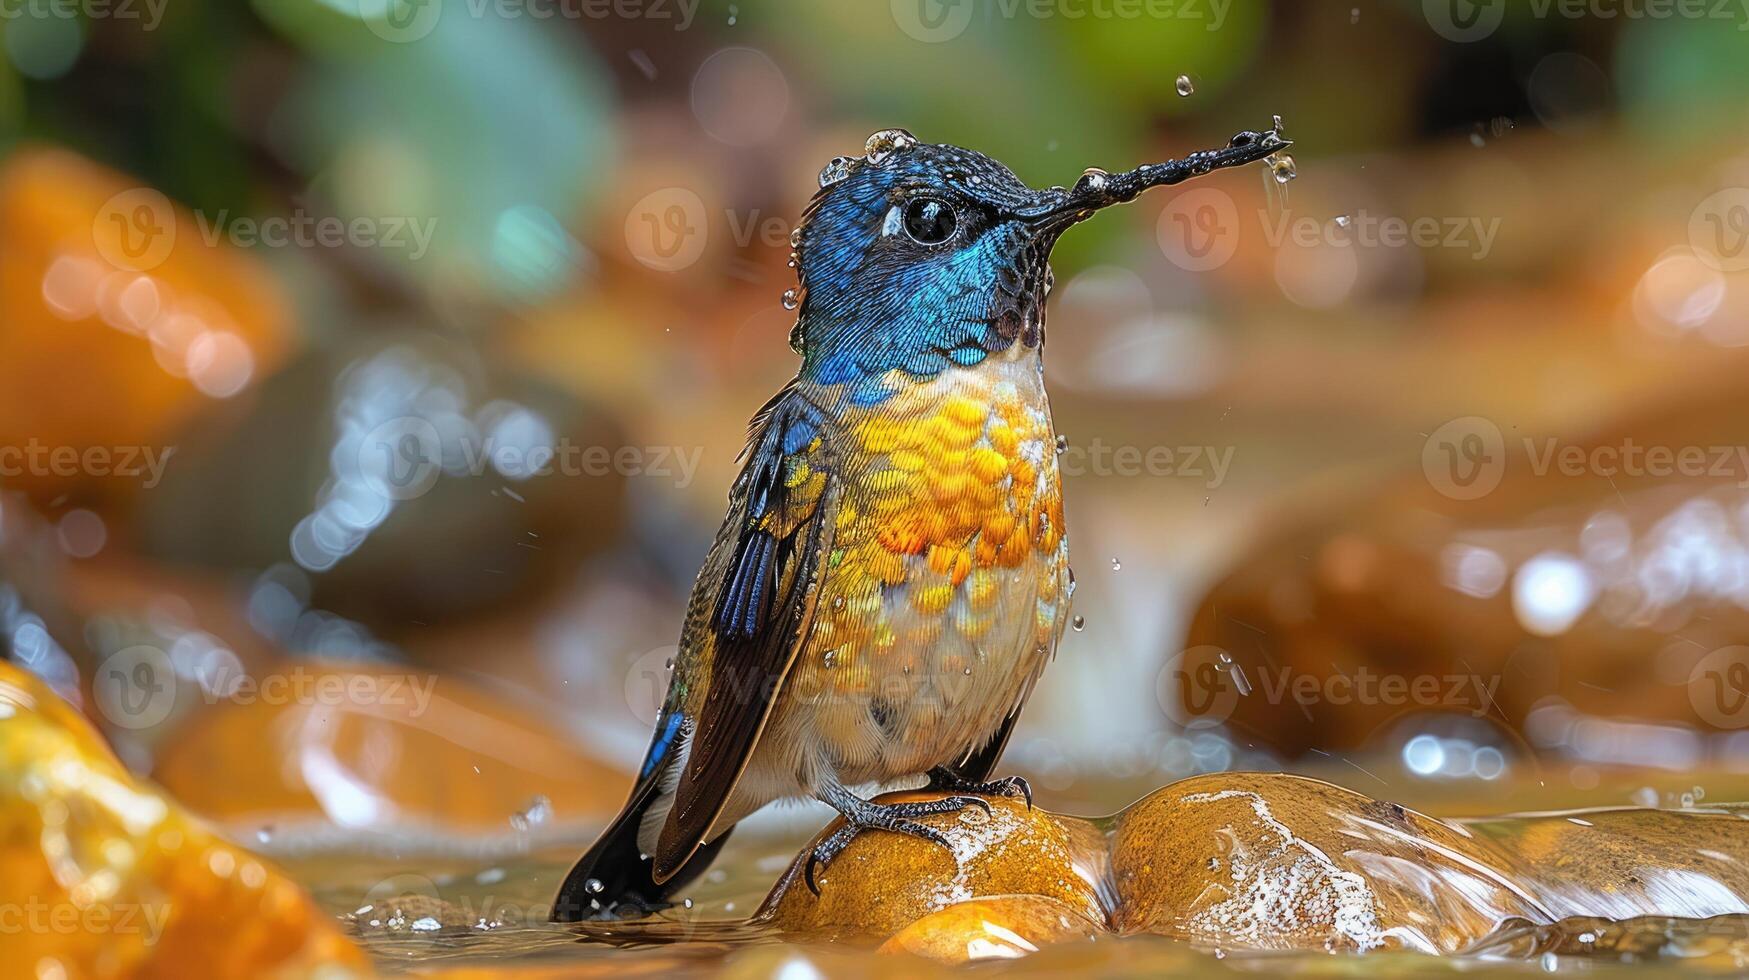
(922, 256)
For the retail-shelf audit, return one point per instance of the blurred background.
(372, 374)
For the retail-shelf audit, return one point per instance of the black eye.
(929, 221)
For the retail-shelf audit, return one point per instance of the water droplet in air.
(264, 834)
(1354, 16)
(795, 237)
(790, 299)
(1092, 181)
(594, 886)
(835, 170)
(882, 144)
(1281, 167)
(795, 259)
(1062, 445)
(1279, 129)
(734, 12)
(1342, 221)
(1071, 589)
(1079, 623)
(668, 664)
(1116, 566)
(1186, 87)
(968, 671)
(538, 812)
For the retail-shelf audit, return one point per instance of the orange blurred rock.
(106, 877)
(884, 882)
(380, 747)
(1005, 927)
(122, 321)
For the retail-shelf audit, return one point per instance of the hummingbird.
(892, 575)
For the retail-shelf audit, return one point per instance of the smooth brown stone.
(462, 762)
(1262, 862)
(1268, 861)
(884, 882)
(1006, 927)
(112, 878)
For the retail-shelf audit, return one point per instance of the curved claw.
(827, 850)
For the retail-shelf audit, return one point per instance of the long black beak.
(1097, 189)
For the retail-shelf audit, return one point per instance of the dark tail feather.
(614, 880)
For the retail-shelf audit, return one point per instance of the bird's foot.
(860, 815)
(943, 779)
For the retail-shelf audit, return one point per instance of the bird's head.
(920, 256)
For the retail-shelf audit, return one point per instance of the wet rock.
(395, 750)
(1005, 927)
(117, 880)
(1264, 861)
(413, 481)
(1559, 570)
(122, 323)
(884, 882)
(1716, 943)
(1261, 862)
